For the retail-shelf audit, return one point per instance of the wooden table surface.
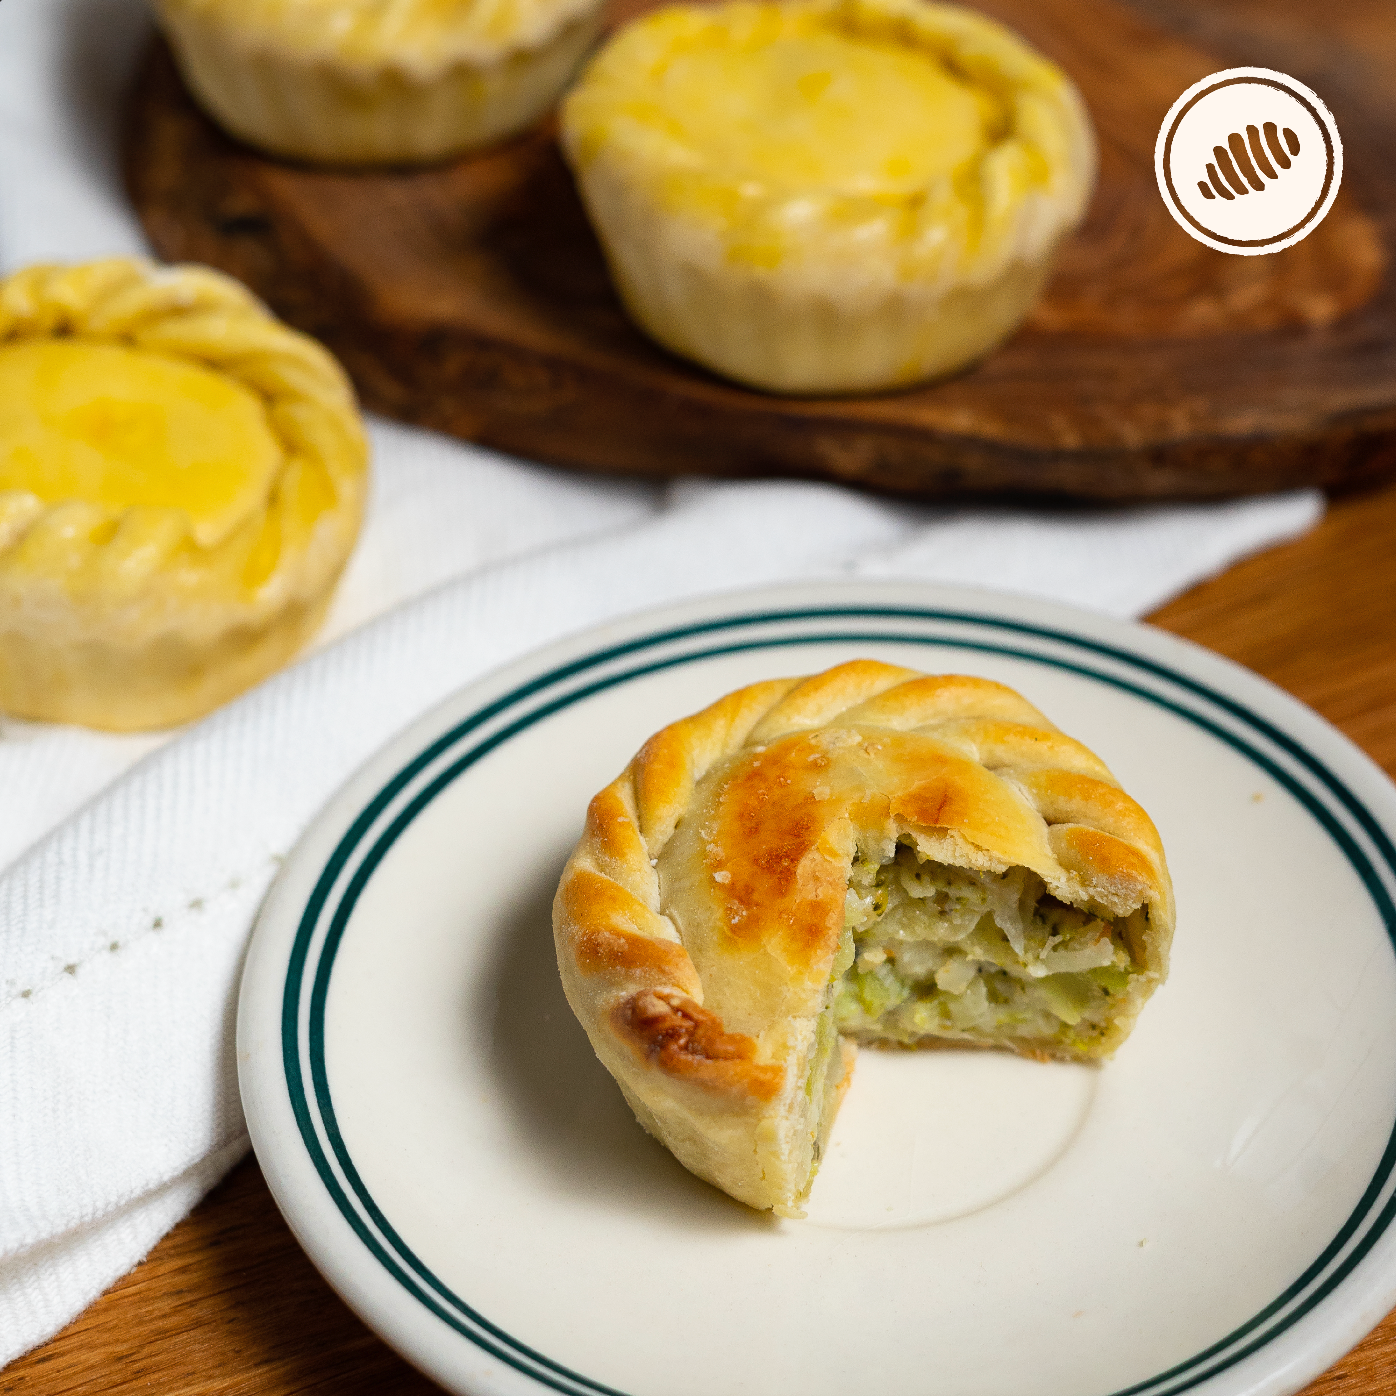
(472, 297)
(227, 1304)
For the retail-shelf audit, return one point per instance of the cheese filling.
(125, 428)
(981, 957)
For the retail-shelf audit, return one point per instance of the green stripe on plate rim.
(1308, 1290)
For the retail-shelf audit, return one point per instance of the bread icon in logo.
(1283, 145)
(1238, 169)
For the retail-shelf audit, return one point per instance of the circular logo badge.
(1249, 161)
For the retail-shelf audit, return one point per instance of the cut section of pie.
(827, 196)
(181, 482)
(868, 855)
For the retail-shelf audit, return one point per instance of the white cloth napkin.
(133, 866)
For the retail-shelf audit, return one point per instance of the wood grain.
(472, 297)
(228, 1305)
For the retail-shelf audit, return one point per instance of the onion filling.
(980, 957)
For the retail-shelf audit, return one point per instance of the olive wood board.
(472, 297)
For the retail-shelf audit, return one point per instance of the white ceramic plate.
(1210, 1212)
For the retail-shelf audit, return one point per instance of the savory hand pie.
(181, 482)
(871, 855)
(827, 196)
(365, 81)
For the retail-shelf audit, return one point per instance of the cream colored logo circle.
(1249, 161)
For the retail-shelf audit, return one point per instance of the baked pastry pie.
(868, 855)
(181, 482)
(827, 196)
(366, 81)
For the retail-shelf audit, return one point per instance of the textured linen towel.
(131, 867)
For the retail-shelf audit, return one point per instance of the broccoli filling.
(983, 957)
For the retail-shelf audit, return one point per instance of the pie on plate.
(868, 855)
(432, 1120)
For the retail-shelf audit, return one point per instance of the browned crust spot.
(663, 775)
(815, 700)
(1098, 857)
(683, 1039)
(1066, 797)
(940, 698)
(611, 833)
(609, 933)
(605, 950)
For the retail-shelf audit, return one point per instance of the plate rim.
(1132, 644)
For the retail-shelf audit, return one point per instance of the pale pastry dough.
(377, 81)
(182, 479)
(872, 854)
(827, 196)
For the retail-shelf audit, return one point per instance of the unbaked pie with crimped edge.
(868, 855)
(377, 81)
(182, 479)
(827, 196)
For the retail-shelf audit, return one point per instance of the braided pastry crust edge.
(119, 618)
(285, 78)
(733, 1109)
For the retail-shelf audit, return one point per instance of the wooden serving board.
(472, 297)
